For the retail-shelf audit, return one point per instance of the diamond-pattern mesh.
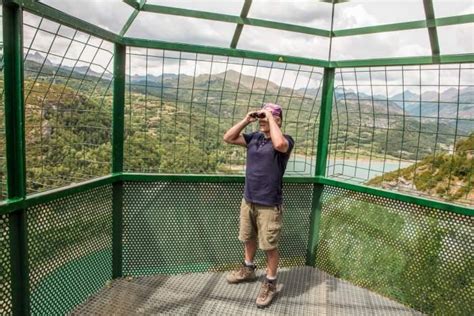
(70, 250)
(193, 227)
(301, 291)
(419, 256)
(5, 282)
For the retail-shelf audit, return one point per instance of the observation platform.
(118, 195)
(303, 291)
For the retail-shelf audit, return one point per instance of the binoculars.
(257, 115)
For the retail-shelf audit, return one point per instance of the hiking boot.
(244, 274)
(266, 294)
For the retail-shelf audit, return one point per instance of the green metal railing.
(76, 238)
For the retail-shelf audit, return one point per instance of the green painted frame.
(16, 155)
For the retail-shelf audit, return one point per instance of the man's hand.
(267, 113)
(233, 136)
(249, 118)
(280, 143)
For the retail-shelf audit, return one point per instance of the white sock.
(271, 278)
(249, 263)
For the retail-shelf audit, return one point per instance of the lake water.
(350, 169)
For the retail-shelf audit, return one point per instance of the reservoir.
(352, 170)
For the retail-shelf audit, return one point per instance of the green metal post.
(325, 121)
(15, 147)
(321, 158)
(117, 157)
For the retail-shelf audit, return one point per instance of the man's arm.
(234, 136)
(280, 143)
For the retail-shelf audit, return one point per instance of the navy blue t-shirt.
(264, 169)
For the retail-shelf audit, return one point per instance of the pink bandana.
(274, 108)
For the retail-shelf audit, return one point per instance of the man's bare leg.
(273, 256)
(246, 272)
(250, 248)
(268, 289)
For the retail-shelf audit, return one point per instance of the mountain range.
(429, 104)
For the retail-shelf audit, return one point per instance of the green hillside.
(448, 176)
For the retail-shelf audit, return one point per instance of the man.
(268, 151)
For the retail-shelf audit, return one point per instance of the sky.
(113, 14)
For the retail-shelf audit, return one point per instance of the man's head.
(277, 113)
(276, 109)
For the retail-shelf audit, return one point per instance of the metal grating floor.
(304, 291)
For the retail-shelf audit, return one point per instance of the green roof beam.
(131, 18)
(222, 51)
(132, 3)
(380, 28)
(404, 61)
(452, 20)
(234, 19)
(129, 22)
(71, 21)
(286, 27)
(240, 27)
(433, 34)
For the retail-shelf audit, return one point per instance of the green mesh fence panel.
(409, 129)
(70, 250)
(193, 227)
(68, 101)
(179, 105)
(419, 256)
(5, 277)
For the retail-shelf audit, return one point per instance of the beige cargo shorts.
(260, 221)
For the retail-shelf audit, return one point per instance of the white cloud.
(233, 7)
(456, 39)
(181, 29)
(108, 14)
(283, 42)
(382, 45)
(302, 12)
(444, 8)
(350, 17)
